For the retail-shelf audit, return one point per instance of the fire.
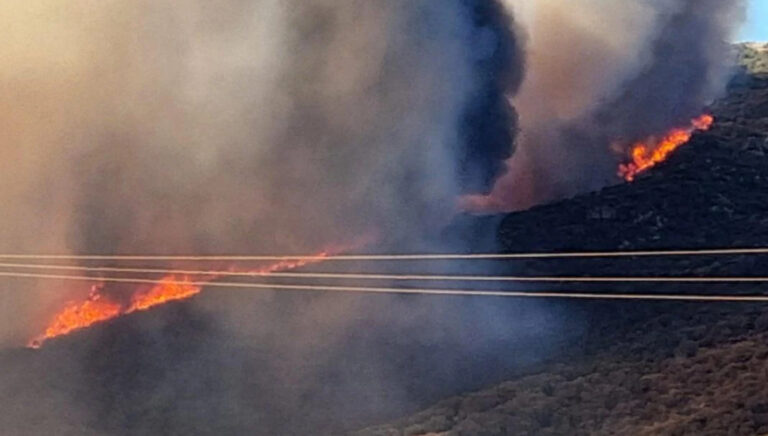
(100, 307)
(167, 290)
(646, 154)
(75, 316)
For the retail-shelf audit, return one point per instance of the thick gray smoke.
(605, 72)
(271, 126)
(248, 126)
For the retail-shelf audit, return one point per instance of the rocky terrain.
(648, 368)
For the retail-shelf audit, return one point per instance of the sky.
(756, 28)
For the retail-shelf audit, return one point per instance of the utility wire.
(413, 291)
(395, 277)
(378, 257)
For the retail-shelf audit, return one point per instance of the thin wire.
(394, 257)
(398, 277)
(417, 291)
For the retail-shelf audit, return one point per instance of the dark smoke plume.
(490, 122)
(628, 70)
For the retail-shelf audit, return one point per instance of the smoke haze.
(249, 126)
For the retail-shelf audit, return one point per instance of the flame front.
(96, 308)
(646, 154)
(168, 289)
(100, 307)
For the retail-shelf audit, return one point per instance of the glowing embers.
(646, 154)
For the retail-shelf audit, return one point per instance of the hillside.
(647, 368)
(754, 56)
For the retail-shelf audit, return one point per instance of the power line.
(409, 291)
(395, 277)
(371, 257)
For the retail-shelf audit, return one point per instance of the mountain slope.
(646, 368)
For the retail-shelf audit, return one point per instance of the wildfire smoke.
(293, 124)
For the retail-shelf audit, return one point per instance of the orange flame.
(100, 307)
(167, 290)
(646, 154)
(75, 316)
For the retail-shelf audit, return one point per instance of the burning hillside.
(101, 306)
(104, 303)
(646, 154)
(237, 126)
